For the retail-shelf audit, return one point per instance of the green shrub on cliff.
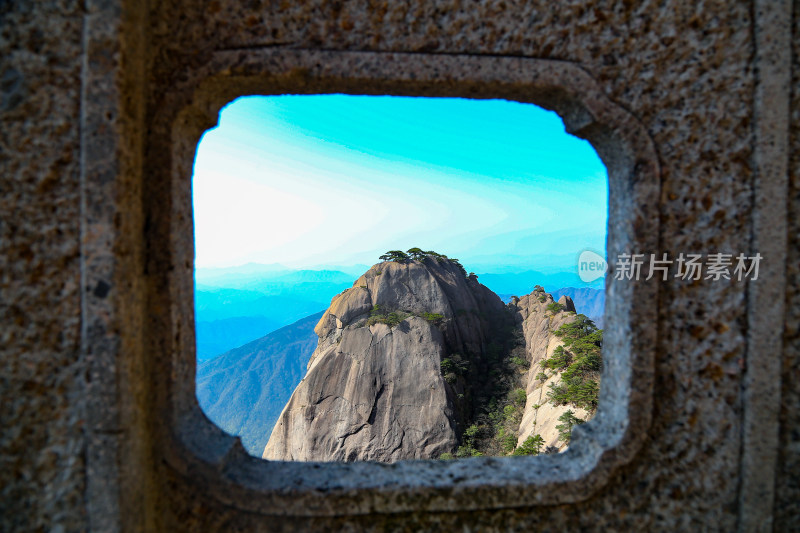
(379, 316)
(520, 362)
(468, 442)
(453, 367)
(568, 421)
(508, 441)
(531, 446)
(520, 397)
(580, 360)
(394, 255)
(433, 318)
(416, 253)
(459, 266)
(560, 360)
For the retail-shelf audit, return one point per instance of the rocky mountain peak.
(431, 286)
(418, 360)
(375, 389)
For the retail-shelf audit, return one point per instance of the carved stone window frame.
(197, 449)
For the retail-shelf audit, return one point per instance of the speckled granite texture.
(83, 85)
(42, 481)
(787, 489)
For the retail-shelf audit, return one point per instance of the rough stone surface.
(378, 393)
(379, 396)
(538, 324)
(787, 488)
(42, 469)
(432, 287)
(687, 71)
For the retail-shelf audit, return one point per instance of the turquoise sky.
(325, 180)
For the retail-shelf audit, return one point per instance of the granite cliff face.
(418, 360)
(538, 324)
(376, 387)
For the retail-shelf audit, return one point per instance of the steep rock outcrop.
(538, 324)
(376, 391)
(590, 302)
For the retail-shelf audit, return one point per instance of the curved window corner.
(219, 465)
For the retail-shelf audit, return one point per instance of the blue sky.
(325, 180)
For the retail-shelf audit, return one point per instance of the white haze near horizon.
(317, 181)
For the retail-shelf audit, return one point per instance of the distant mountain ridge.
(244, 389)
(588, 301)
(251, 275)
(250, 302)
(521, 283)
(229, 303)
(215, 337)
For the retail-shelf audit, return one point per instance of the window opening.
(327, 229)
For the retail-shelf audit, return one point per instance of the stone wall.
(42, 384)
(92, 95)
(787, 489)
